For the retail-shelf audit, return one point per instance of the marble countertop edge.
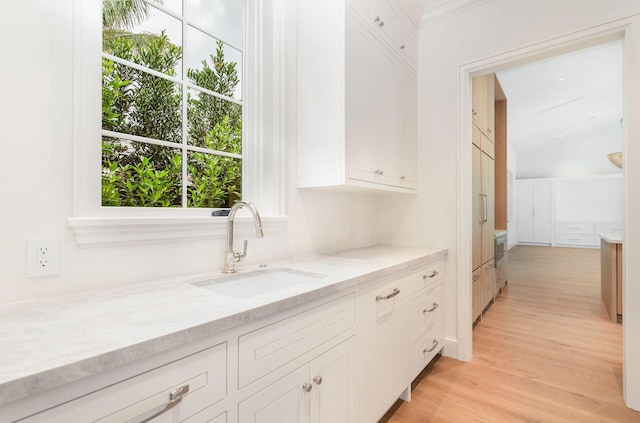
(344, 270)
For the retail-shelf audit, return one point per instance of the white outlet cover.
(33, 246)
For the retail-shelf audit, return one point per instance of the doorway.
(625, 30)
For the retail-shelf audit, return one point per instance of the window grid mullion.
(185, 128)
(138, 138)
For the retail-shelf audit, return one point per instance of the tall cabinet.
(483, 278)
(357, 95)
(534, 211)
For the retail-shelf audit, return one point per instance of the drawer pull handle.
(395, 292)
(435, 344)
(306, 387)
(317, 379)
(432, 275)
(175, 397)
(435, 305)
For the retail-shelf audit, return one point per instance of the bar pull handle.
(435, 305)
(432, 275)
(395, 292)
(175, 397)
(435, 344)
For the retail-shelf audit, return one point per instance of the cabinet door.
(383, 356)
(483, 103)
(542, 204)
(333, 380)
(479, 100)
(283, 401)
(397, 137)
(488, 233)
(488, 283)
(476, 288)
(363, 71)
(477, 205)
(526, 211)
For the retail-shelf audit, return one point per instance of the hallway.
(544, 352)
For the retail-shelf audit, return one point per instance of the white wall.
(595, 199)
(36, 179)
(481, 33)
(580, 155)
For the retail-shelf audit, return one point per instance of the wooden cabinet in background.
(483, 229)
(483, 104)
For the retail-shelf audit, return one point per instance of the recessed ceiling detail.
(581, 91)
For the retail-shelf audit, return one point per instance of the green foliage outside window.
(140, 174)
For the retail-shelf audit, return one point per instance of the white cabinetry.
(340, 359)
(357, 100)
(319, 392)
(426, 330)
(534, 211)
(396, 336)
(172, 393)
(583, 234)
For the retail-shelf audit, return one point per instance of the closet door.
(526, 211)
(542, 221)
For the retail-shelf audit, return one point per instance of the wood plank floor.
(544, 352)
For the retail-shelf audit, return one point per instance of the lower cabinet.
(168, 394)
(322, 391)
(383, 363)
(483, 286)
(341, 359)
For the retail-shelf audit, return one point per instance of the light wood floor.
(544, 352)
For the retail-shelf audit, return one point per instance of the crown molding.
(447, 8)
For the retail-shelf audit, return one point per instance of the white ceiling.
(565, 96)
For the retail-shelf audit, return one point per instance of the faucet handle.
(243, 254)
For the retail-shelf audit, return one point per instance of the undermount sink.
(261, 282)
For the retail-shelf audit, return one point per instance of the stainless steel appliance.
(500, 258)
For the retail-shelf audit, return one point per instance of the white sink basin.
(261, 282)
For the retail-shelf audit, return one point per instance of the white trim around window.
(269, 78)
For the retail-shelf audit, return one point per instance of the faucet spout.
(231, 256)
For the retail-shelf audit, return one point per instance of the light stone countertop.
(611, 237)
(49, 343)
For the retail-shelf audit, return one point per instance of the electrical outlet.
(42, 257)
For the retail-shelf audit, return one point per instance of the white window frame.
(268, 80)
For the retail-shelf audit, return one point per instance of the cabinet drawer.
(609, 227)
(425, 348)
(264, 350)
(575, 239)
(575, 228)
(426, 312)
(424, 279)
(381, 299)
(202, 377)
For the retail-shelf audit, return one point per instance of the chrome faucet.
(231, 256)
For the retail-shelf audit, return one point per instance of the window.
(187, 140)
(171, 103)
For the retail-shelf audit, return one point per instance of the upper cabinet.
(357, 95)
(483, 104)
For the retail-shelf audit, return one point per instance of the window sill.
(138, 230)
